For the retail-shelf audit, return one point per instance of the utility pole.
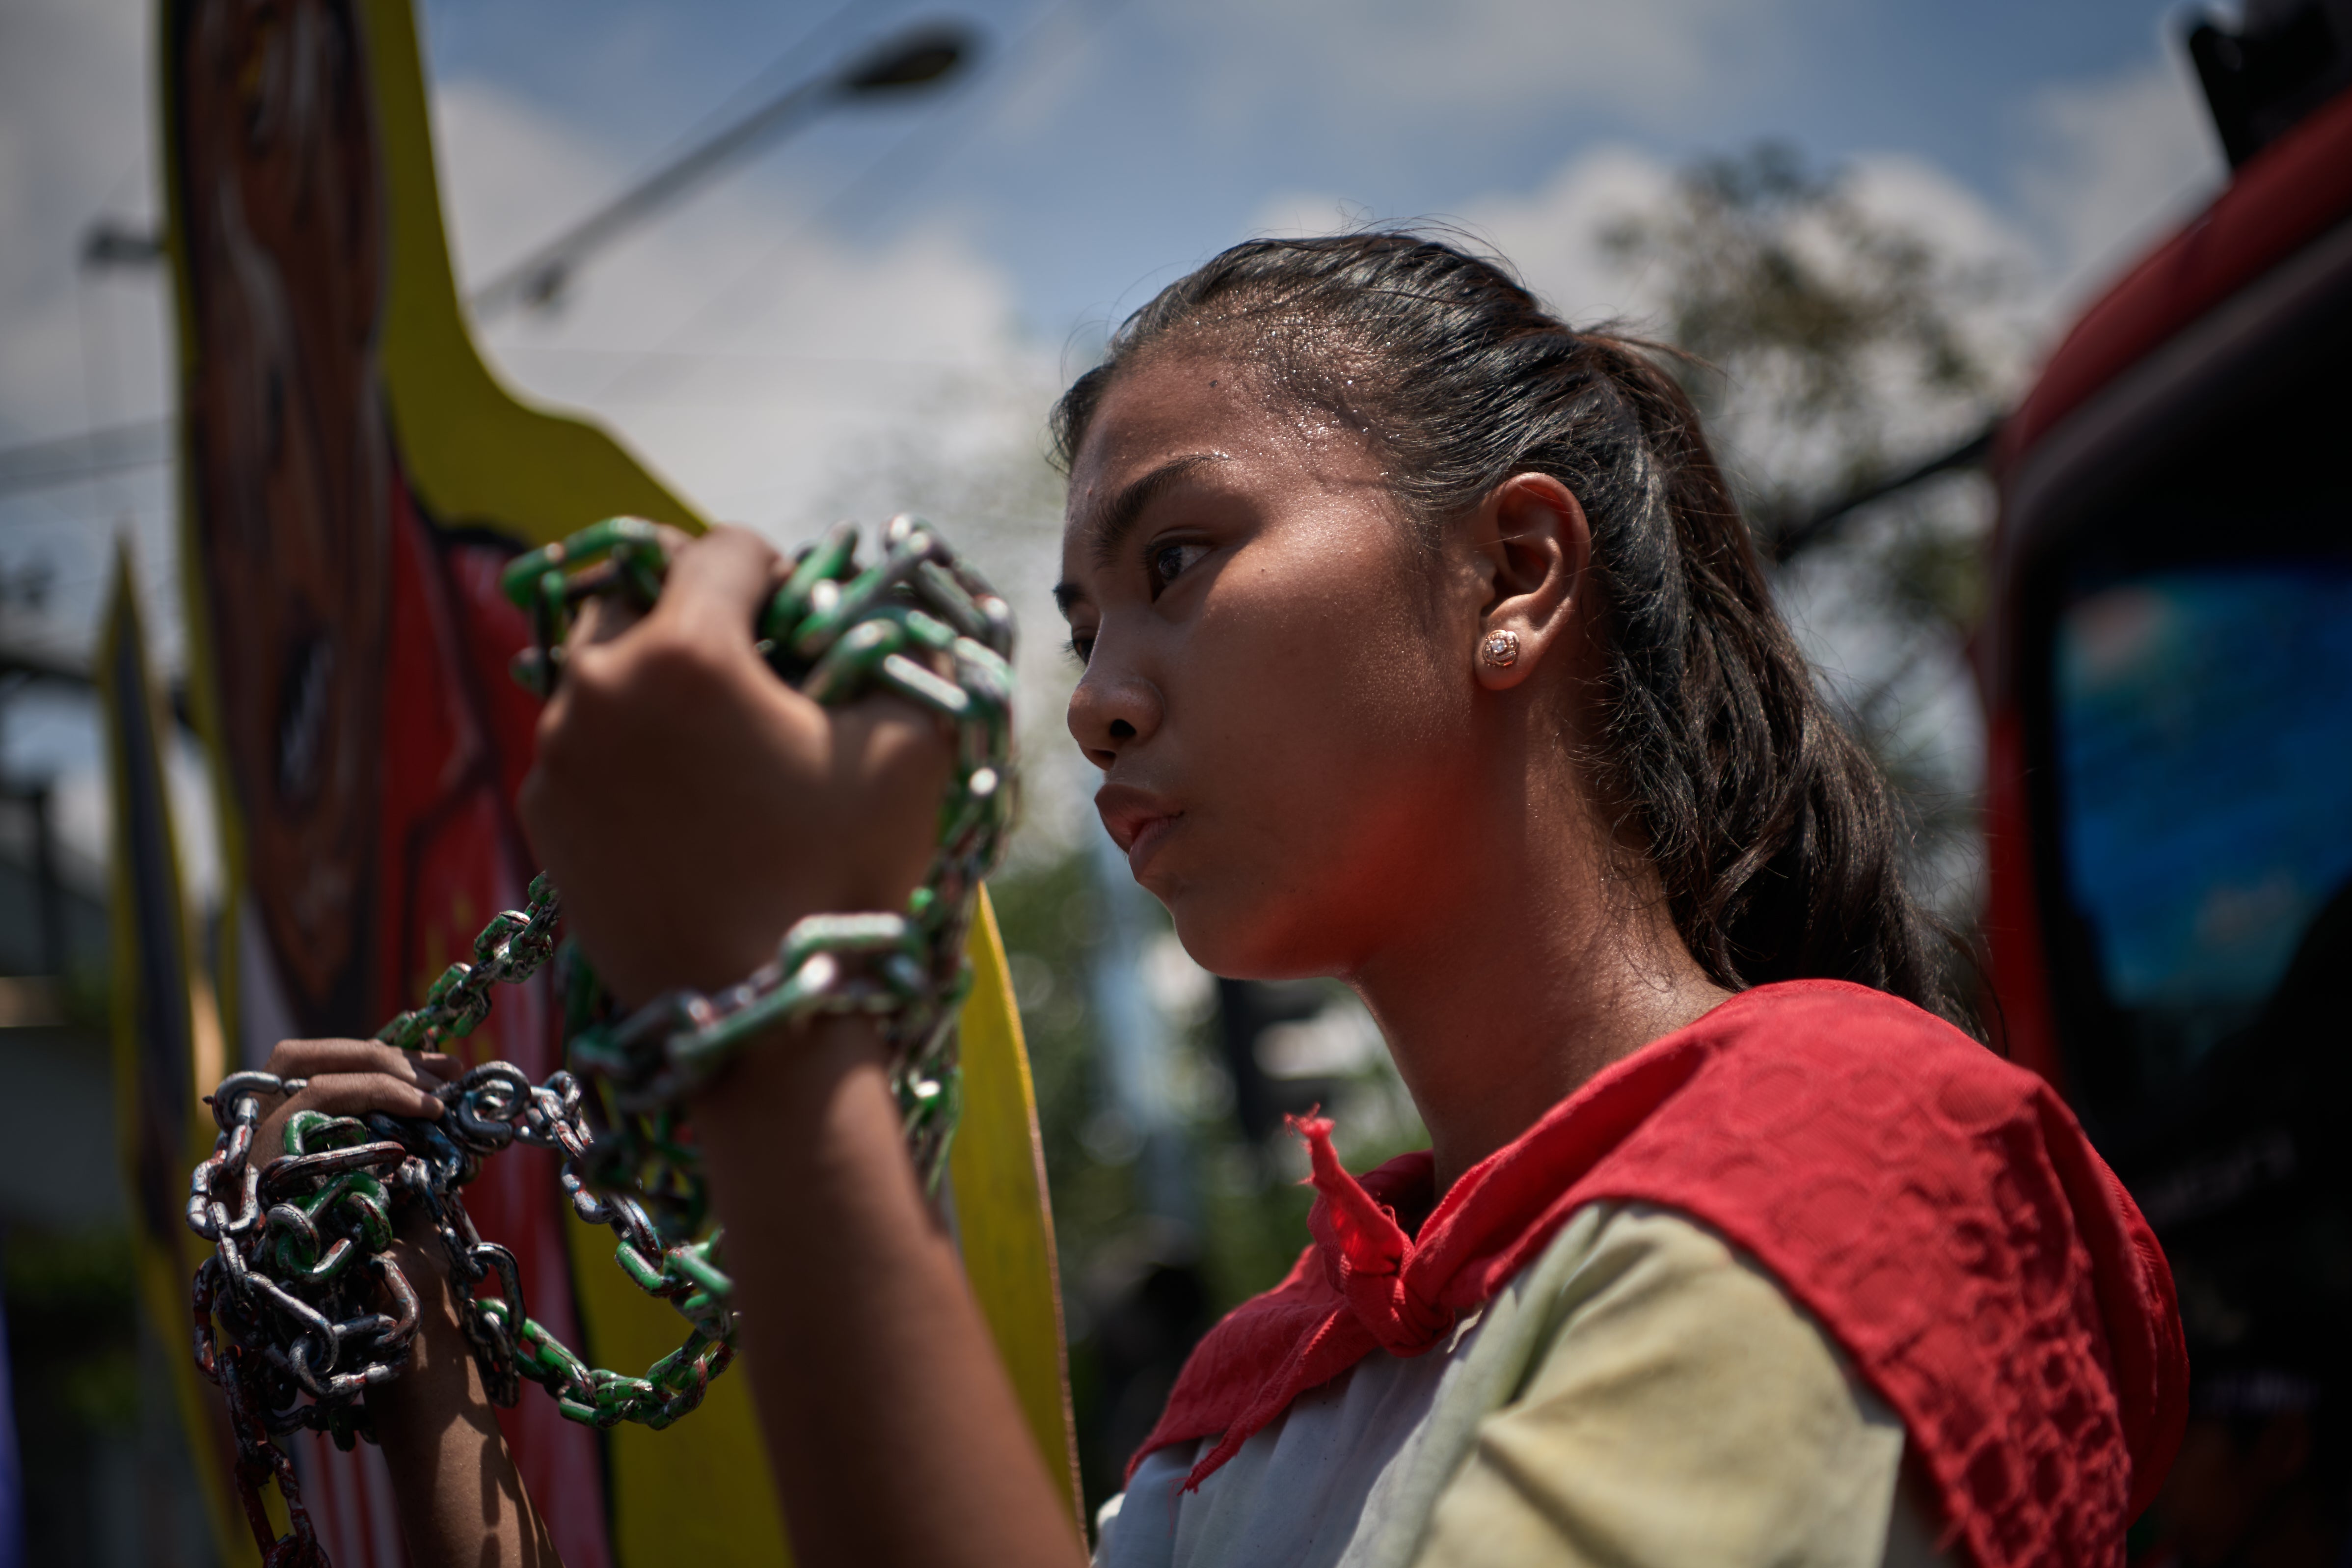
(28, 589)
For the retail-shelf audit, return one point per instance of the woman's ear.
(1534, 547)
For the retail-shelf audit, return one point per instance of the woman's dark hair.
(1770, 826)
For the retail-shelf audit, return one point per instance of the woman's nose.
(1111, 711)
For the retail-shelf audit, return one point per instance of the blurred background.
(1871, 220)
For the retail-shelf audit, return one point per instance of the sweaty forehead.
(1165, 404)
(1175, 404)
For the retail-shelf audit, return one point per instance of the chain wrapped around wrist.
(301, 1309)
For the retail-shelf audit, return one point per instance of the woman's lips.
(1148, 836)
(1137, 821)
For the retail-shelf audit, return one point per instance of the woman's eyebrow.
(1106, 527)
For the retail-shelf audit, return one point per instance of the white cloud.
(2111, 164)
(1292, 215)
(73, 146)
(736, 342)
(1550, 235)
(2008, 325)
(1920, 198)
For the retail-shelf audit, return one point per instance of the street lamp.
(919, 58)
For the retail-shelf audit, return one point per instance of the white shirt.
(1642, 1394)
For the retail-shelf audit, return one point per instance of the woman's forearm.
(460, 1500)
(890, 1422)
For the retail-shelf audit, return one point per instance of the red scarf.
(1937, 1210)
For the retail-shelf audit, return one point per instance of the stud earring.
(1499, 649)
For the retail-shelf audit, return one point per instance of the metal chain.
(301, 1309)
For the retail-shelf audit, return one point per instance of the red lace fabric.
(1936, 1209)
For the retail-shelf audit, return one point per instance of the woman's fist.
(691, 806)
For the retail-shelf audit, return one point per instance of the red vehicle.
(2168, 674)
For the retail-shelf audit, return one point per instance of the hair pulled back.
(1769, 827)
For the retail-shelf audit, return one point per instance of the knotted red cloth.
(1937, 1210)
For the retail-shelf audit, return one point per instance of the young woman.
(1424, 647)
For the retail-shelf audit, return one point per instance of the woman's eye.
(1168, 562)
(1082, 646)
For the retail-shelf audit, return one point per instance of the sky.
(1102, 146)
(881, 307)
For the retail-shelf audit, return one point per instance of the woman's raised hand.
(691, 805)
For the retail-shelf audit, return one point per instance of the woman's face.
(1278, 682)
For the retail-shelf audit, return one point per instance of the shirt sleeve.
(1684, 1411)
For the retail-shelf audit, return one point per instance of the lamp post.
(921, 58)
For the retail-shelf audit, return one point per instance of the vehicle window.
(2204, 741)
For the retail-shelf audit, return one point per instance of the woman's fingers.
(601, 620)
(357, 1093)
(895, 758)
(351, 1078)
(601, 617)
(719, 582)
(309, 1058)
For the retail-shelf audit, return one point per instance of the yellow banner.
(167, 1045)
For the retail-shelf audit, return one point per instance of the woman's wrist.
(426, 1382)
(781, 1077)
